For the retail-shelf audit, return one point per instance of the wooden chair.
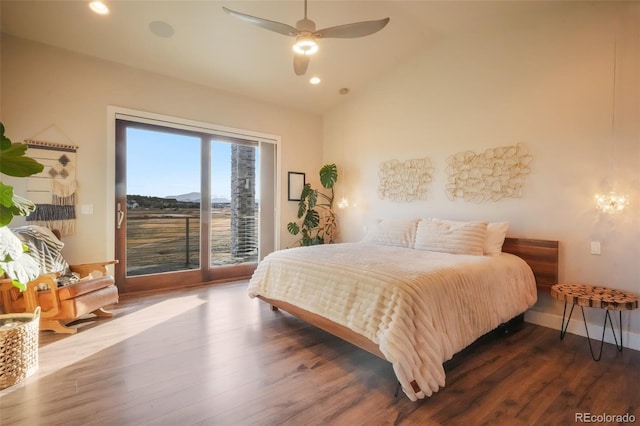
(62, 305)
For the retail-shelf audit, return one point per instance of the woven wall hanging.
(404, 180)
(54, 189)
(495, 174)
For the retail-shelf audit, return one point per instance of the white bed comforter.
(420, 307)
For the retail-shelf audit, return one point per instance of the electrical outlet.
(595, 247)
(86, 209)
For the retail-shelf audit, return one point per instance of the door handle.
(120, 216)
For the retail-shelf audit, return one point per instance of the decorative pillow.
(496, 233)
(46, 249)
(400, 233)
(448, 236)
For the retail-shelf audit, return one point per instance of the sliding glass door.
(188, 205)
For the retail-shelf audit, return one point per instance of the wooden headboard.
(542, 257)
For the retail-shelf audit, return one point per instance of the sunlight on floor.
(68, 351)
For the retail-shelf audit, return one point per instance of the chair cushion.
(69, 292)
(72, 309)
(83, 287)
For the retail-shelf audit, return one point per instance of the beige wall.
(548, 85)
(55, 95)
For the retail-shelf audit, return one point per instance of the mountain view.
(194, 197)
(190, 200)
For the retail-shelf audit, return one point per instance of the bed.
(406, 302)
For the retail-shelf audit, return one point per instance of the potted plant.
(18, 331)
(315, 208)
(14, 263)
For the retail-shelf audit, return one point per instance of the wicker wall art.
(492, 175)
(405, 181)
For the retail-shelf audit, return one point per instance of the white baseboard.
(576, 326)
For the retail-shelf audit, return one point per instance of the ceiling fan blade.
(300, 64)
(357, 29)
(277, 27)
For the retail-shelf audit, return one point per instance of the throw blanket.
(420, 307)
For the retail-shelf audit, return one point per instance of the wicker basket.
(19, 348)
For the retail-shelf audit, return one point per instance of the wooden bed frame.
(540, 255)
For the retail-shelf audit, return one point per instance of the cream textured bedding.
(420, 307)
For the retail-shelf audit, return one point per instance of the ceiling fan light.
(305, 45)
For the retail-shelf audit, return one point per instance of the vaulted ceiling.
(197, 42)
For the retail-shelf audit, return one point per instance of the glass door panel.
(162, 202)
(234, 207)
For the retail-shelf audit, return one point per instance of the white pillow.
(496, 233)
(450, 236)
(393, 232)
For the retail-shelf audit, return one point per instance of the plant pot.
(18, 347)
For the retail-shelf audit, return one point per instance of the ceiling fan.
(306, 34)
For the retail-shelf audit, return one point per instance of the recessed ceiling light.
(99, 7)
(314, 80)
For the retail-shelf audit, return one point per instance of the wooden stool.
(594, 297)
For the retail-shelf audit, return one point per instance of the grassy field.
(169, 240)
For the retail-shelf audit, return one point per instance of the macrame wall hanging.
(492, 175)
(404, 181)
(54, 189)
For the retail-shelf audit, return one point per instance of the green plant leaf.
(22, 206)
(311, 219)
(317, 240)
(312, 199)
(12, 205)
(293, 228)
(19, 285)
(306, 190)
(302, 207)
(6, 195)
(328, 175)
(16, 163)
(5, 216)
(6, 204)
(306, 238)
(5, 142)
(14, 160)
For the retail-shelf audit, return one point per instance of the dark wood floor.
(212, 356)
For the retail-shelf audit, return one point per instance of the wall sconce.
(611, 202)
(343, 203)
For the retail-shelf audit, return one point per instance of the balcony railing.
(160, 241)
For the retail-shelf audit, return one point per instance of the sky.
(161, 165)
